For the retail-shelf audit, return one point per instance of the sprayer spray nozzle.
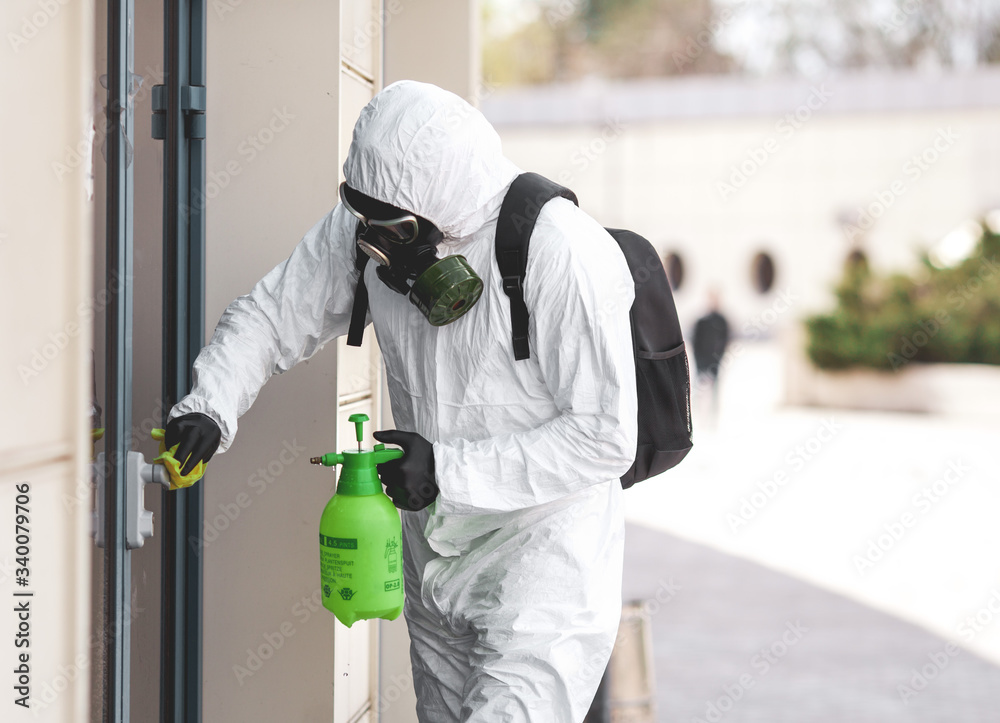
(315, 460)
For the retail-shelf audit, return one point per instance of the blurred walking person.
(711, 337)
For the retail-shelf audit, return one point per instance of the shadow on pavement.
(736, 642)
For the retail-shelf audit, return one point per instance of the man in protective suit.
(512, 513)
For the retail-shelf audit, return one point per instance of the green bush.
(935, 315)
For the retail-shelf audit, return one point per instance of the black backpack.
(661, 365)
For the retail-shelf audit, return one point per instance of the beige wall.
(46, 75)
(274, 76)
(661, 180)
(435, 41)
(270, 64)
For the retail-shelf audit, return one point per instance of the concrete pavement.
(876, 533)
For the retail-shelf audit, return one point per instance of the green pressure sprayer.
(360, 537)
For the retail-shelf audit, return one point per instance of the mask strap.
(356, 333)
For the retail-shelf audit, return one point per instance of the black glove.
(409, 481)
(197, 435)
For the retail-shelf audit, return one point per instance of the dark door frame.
(179, 120)
(118, 361)
(181, 105)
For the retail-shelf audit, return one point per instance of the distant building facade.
(763, 188)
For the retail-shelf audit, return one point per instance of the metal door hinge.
(193, 104)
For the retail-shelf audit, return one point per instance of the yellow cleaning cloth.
(166, 458)
(95, 434)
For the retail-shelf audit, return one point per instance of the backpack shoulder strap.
(356, 332)
(520, 209)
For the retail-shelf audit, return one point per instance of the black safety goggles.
(402, 230)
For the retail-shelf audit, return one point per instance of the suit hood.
(426, 150)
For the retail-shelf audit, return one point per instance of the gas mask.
(443, 289)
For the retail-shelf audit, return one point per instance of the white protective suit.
(513, 574)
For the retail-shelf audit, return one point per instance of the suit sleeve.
(579, 292)
(300, 305)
